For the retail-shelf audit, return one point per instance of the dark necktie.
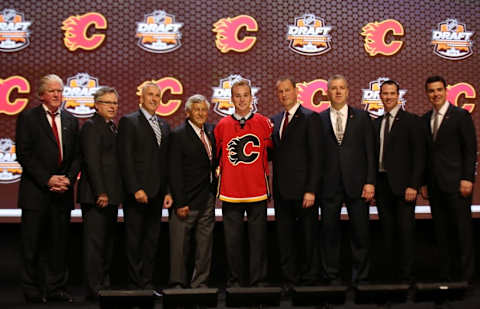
(386, 133)
(55, 134)
(112, 127)
(285, 124)
(435, 126)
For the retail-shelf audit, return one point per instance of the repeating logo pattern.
(78, 95)
(227, 30)
(309, 35)
(222, 95)
(14, 32)
(76, 28)
(371, 97)
(452, 40)
(307, 91)
(10, 169)
(7, 88)
(159, 33)
(376, 37)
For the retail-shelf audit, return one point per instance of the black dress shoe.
(35, 299)
(60, 296)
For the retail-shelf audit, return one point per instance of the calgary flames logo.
(452, 41)
(371, 97)
(6, 87)
(227, 30)
(308, 90)
(76, 27)
(454, 92)
(78, 95)
(222, 96)
(159, 33)
(14, 33)
(166, 84)
(375, 37)
(10, 169)
(243, 149)
(309, 36)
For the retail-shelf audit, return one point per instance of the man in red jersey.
(242, 141)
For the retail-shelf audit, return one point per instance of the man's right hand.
(141, 197)
(58, 183)
(182, 212)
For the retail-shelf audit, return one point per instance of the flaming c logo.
(307, 91)
(227, 33)
(375, 37)
(455, 91)
(171, 84)
(6, 87)
(76, 28)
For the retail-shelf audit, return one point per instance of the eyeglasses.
(108, 102)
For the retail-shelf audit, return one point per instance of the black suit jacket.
(37, 152)
(404, 152)
(143, 163)
(353, 162)
(100, 166)
(190, 167)
(452, 156)
(297, 156)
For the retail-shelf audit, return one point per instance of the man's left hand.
(167, 201)
(368, 192)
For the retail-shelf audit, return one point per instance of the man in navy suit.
(192, 182)
(451, 164)
(100, 189)
(297, 138)
(143, 140)
(47, 149)
(348, 177)
(401, 162)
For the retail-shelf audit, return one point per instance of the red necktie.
(55, 133)
(285, 124)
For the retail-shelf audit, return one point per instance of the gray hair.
(104, 90)
(149, 84)
(335, 77)
(196, 98)
(45, 80)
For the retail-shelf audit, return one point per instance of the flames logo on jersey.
(452, 40)
(76, 28)
(78, 95)
(309, 35)
(243, 149)
(10, 169)
(14, 33)
(227, 30)
(371, 97)
(159, 33)
(222, 96)
(375, 37)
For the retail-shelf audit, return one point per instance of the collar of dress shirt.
(293, 110)
(49, 111)
(442, 109)
(343, 111)
(195, 128)
(238, 117)
(394, 111)
(146, 114)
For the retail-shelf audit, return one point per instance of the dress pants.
(45, 239)
(142, 229)
(99, 229)
(397, 219)
(299, 261)
(452, 218)
(331, 236)
(233, 222)
(198, 225)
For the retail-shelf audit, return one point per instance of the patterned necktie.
(339, 126)
(435, 125)
(112, 127)
(204, 141)
(156, 129)
(55, 134)
(285, 124)
(386, 133)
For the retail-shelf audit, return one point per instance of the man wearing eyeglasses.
(100, 189)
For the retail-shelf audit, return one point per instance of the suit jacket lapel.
(445, 120)
(147, 127)
(330, 127)
(349, 124)
(192, 135)
(45, 124)
(298, 116)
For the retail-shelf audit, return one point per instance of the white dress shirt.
(333, 117)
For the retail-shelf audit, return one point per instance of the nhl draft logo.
(222, 96)
(10, 169)
(452, 40)
(371, 97)
(14, 33)
(78, 95)
(159, 33)
(309, 36)
(243, 149)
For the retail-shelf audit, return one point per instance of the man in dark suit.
(192, 168)
(297, 137)
(451, 164)
(401, 162)
(100, 189)
(348, 177)
(143, 150)
(47, 149)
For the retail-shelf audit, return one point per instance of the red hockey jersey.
(243, 158)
